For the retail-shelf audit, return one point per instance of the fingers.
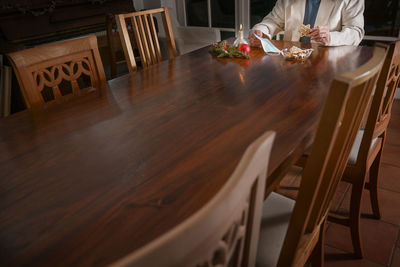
(324, 41)
(258, 33)
(253, 40)
(319, 29)
(314, 34)
(320, 34)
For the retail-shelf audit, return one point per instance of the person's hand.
(253, 39)
(321, 34)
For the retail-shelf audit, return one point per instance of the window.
(197, 13)
(218, 14)
(259, 9)
(225, 15)
(385, 22)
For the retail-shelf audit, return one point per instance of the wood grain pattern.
(89, 183)
(225, 231)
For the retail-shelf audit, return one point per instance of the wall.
(138, 4)
(146, 4)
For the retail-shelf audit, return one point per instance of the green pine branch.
(218, 49)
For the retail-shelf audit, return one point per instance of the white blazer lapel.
(324, 12)
(297, 10)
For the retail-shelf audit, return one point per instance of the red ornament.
(226, 47)
(245, 48)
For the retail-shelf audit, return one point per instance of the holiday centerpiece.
(239, 49)
(223, 49)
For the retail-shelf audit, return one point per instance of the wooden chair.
(367, 150)
(115, 46)
(52, 73)
(292, 231)
(115, 49)
(225, 231)
(146, 37)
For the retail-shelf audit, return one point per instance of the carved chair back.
(53, 73)
(146, 37)
(380, 111)
(225, 231)
(346, 104)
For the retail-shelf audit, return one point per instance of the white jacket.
(343, 17)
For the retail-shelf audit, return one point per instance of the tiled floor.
(381, 238)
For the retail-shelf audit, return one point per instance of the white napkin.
(268, 46)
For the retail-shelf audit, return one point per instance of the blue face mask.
(268, 46)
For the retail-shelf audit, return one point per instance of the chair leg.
(373, 185)
(113, 68)
(355, 212)
(317, 256)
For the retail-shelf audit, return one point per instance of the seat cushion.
(356, 147)
(277, 210)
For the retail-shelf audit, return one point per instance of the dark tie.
(310, 15)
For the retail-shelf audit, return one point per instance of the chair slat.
(155, 39)
(169, 34)
(124, 36)
(149, 38)
(146, 36)
(139, 41)
(144, 40)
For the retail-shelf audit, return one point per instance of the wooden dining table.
(94, 179)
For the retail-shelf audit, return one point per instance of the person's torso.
(329, 14)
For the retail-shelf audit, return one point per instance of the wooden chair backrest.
(225, 231)
(50, 74)
(146, 37)
(114, 44)
(115, 49)
(347, 102)
(380, 111)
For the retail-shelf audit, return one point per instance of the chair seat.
(277, 210)
(356, 147)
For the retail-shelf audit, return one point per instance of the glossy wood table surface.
(95, 180)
